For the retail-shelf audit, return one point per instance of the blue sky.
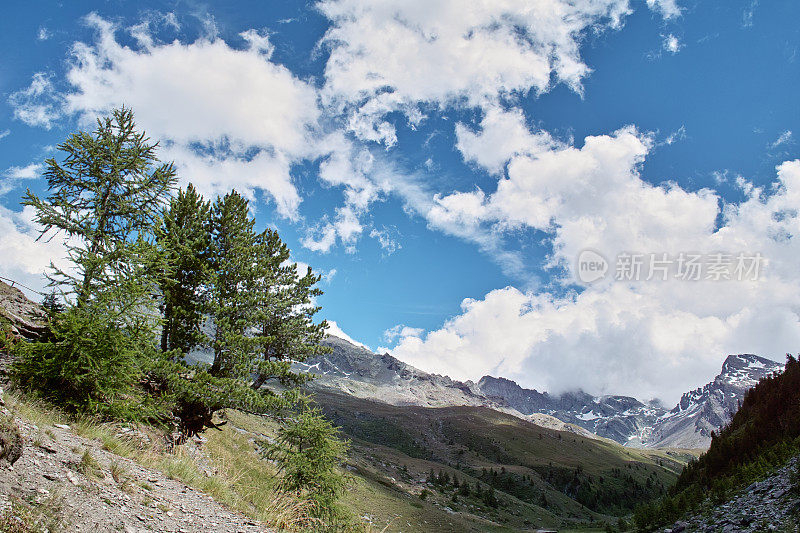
(443, 165)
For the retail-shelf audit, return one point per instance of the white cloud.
(783, 138)
(672, 44)
(667, 8)
(354, 169)
(325, 275)
(228, 117)
(13, 175)
(43, 34)
(22, 257)
(33, 170)
(5, 133)
(335, 330)
(385, 239)
(345, 227)
(675, 136)
(39, 104)
(394, 56)
(648, 338)
(401, 331)
(502, 135)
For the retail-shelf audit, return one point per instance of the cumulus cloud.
(403, 56)
(640, 338)
(23, 258)
(5, 133)
(228, 117)
(503, 134)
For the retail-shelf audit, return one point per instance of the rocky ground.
(73, 482)
(768, 505)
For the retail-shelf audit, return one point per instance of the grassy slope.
(464, 440)
(459, 441)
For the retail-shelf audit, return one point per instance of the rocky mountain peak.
(747, 369)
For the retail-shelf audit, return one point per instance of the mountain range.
(357, 371)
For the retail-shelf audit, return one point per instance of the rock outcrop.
(24, 317)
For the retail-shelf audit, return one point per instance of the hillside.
(705, 410)
(540, 476)
(82, 476)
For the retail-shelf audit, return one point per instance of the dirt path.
(56, 472)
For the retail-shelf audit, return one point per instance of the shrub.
(91, 365)
(309, 452)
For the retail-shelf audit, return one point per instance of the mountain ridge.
(358, 371)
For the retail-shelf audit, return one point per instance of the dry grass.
(89, 466)
(118, 472)
(241, 480)
(33, 517)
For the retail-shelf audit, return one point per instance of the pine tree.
(231, 302)
(284, 313)
(185, 240)
(261, 314)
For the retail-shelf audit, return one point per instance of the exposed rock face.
(362, 373)
(619, 418)
(26, 318)
(769, 505)
(701, 411)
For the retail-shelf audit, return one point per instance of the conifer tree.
(185, 240)
(309, 452)
(261, 314)
(105, 196)
(231, 303)
(284, 314)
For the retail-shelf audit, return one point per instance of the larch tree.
(105, 197)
